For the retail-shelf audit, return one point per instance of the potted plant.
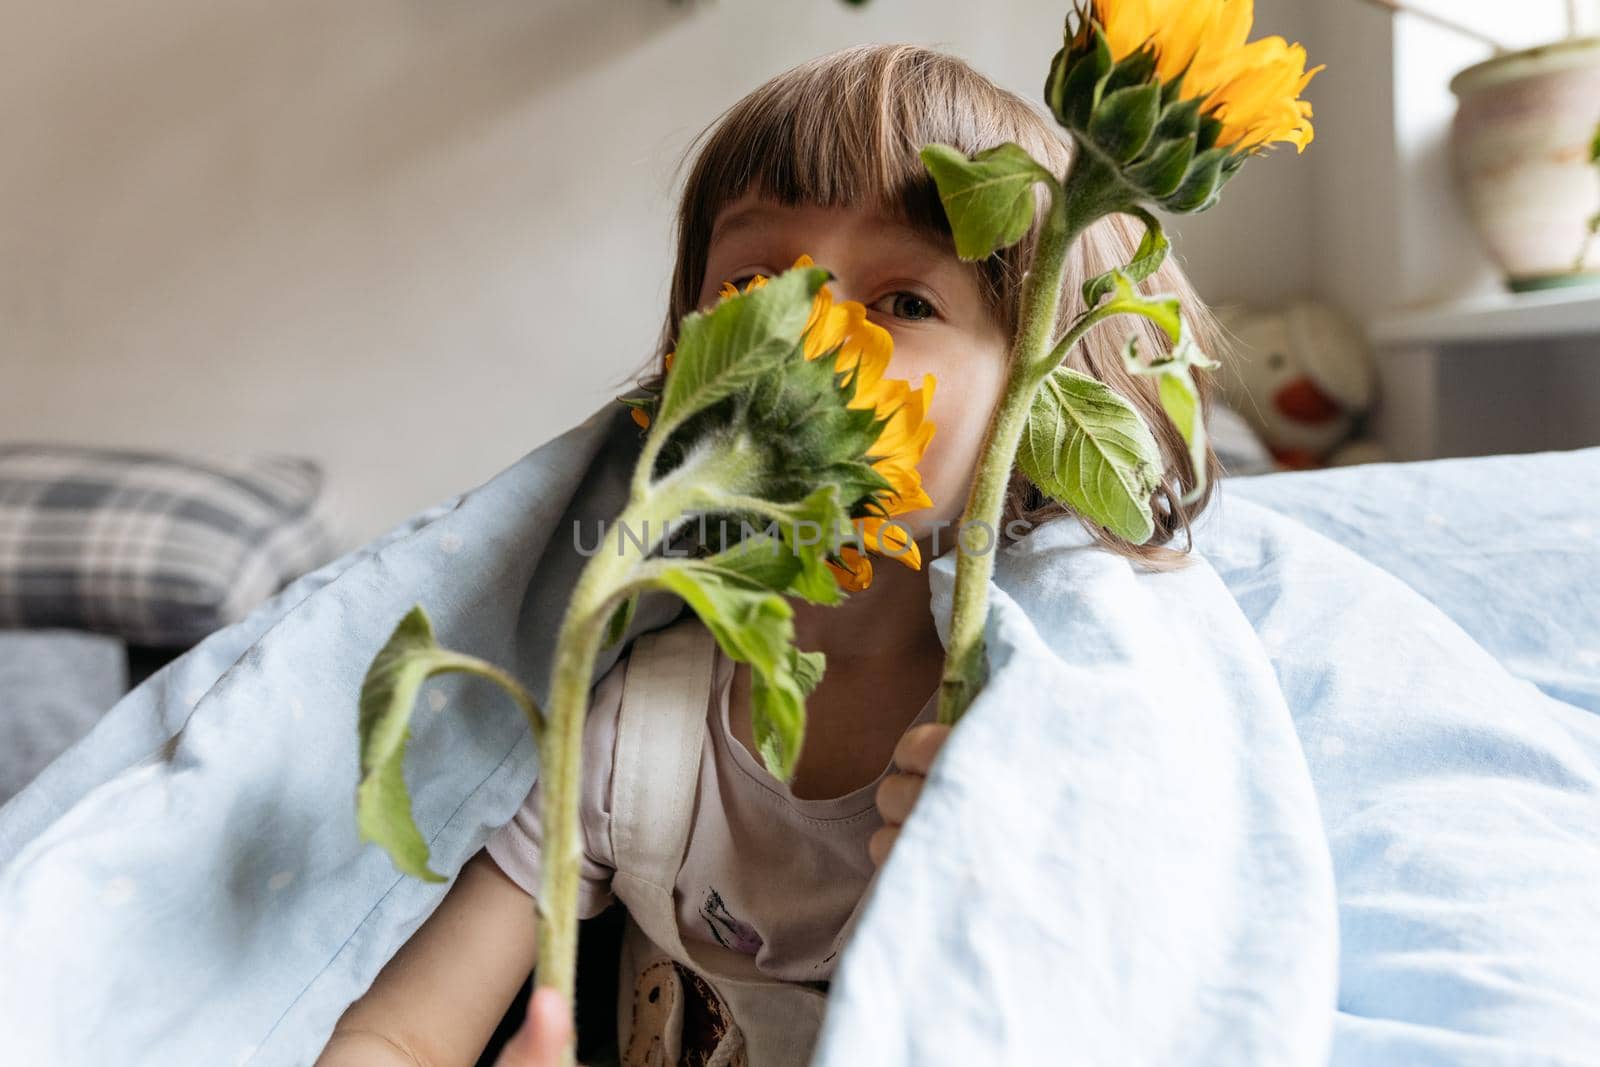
(1521, 143)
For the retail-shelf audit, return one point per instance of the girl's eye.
(908, 305)
(741, 281)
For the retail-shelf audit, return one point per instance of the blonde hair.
(845, 129)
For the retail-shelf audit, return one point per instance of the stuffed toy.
(1303, 377)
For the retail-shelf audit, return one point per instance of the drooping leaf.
(1147, 259)
(388, 695)
(1088, 447)
(988, 199)
(788, 552)
(1180, 399)
(738, 594)
(1163, 310)
(807, 668)
(724, 350)
(812, 526)
(753, 625)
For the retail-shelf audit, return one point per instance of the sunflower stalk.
(1030, 359)
(1164, 101)
(1091, 190)
(612, 574)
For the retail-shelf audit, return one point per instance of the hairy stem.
(560, 766)
(616, 570)
(1089, 192)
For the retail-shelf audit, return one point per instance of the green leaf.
(1181, 401)
(988, 199)
(1163, 310)
(723, 351)
(388, 695)
(1124, 120)
(1594, 148)
(807, 668)
(821, 511)
(1088, 448)
(1180, 398)
(738, 594)
(755, 626)
(796, 561)
(1147, 259)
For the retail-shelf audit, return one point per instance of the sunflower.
(1252, 89)
(864, 348)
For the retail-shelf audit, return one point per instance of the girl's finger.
(919, 745)
(897, 794)
(881, 841)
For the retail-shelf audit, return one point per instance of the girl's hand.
(898, 792)
(543, 1034)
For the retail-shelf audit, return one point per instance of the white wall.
(413, 239)
(1255, 245)
(417, 238)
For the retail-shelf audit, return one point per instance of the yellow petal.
(855, 574)
(890, 539)
(1250, 88)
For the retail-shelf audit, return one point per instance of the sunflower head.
(855, 352)
(1172, 95)
(836, 414)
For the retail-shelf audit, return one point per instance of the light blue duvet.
(1330, 794)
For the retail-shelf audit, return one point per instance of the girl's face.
(920, 292)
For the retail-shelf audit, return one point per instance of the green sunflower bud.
(1162, 147)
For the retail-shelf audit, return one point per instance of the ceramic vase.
(1524, 125)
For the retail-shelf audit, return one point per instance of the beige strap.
(660, 737)
(661, 729)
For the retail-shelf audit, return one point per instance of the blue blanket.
(1329, 793)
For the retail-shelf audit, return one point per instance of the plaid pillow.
(157, 549)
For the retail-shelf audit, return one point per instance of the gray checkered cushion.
(157, 549)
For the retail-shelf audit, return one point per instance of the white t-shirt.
(764, 873)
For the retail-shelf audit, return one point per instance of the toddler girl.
(741, 889)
